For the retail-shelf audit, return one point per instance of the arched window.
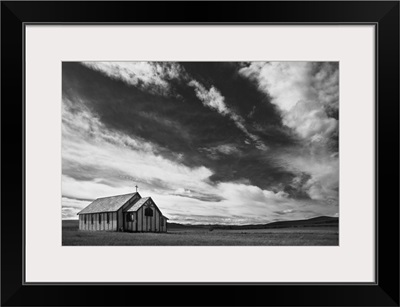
(148, 212)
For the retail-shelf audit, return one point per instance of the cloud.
(307, 96)
(213, 99)
(318, 175)
(310, 121)
(179, 129)
(220, 151)
(75, 203)
(304, 92)
(100, 162)
(151, 76)
(286, 211)
(71, 206)
(197, 195)
(197, 149)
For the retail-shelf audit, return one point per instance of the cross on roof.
(136, 188)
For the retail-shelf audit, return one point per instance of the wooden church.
(128, 212)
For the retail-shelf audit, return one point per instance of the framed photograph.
(241, 153)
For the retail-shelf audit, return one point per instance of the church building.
(128, 212)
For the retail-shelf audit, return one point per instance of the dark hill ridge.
(321, 221)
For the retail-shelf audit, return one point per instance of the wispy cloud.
(218, 152)
(213, 99)
(151, 76)
(197, 195)
(110, 161)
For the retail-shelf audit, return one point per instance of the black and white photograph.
(200, 153)
(248, 146)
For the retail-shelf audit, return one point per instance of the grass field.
(295, 236)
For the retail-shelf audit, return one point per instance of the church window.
(148, 212)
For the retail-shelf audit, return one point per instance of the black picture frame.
(383, 14)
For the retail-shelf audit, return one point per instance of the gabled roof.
(107, 204)
(141, 202)
(138, 204)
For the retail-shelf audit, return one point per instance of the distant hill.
(321, 221)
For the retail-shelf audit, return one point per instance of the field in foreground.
(193, 236)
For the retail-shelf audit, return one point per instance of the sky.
(210, 142)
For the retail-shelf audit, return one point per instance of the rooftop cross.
(136, 188)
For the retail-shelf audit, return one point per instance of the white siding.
(107, 226)
(92, 224)
(131, 225)
(103, 221)
(163, 224)
(140, 219)
(153, 220)
(144, 221)
(157, 221)
(120, 221)
(140, 223)
(112, 221)
(87, 222)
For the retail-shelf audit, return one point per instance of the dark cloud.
(200, 196)
(77, 199)
(240, 93)
(296, 188)
(181, 126)
(108, 176)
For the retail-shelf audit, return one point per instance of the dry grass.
(301, 236)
